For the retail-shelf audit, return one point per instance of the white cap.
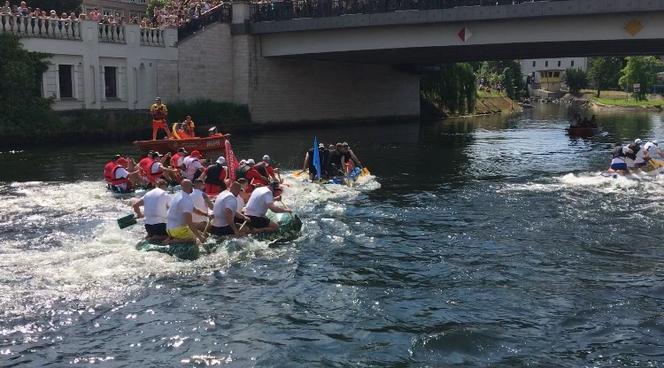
(251, 161)
(637, 141)
(242, 162)
(654, 141)
(266, 158)
(221, 160)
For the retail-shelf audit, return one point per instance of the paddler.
(309, 162)
(180, 225)
(156, 211)
(117, 175)
(335, 161)
(192, 165)
(177, 161)
(189, 126)
(651, 150)
(226, 213)
(202, 204)
(639, 160)
(215, 177)
(262, 199)
(350, 155)
(272, 173)
(153, 168)
(256, 175)
(159, 113)
(242, 169)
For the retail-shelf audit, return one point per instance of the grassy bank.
(620, 99)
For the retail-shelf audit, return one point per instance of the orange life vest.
(109, 174)
(174, 160)
(146, 165)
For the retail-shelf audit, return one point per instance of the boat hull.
(206, 144)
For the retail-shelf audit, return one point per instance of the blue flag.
(316, 159)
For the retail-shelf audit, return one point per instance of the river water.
(488, 242)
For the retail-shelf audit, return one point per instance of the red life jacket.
(174, 160)
(255, 178)
(109, 174)
(146, 165)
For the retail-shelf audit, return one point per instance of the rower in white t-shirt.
(225, 212)
(179, 223)
(156, 204)
(201, 204)
(262, 199)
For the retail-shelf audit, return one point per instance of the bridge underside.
(444, 54)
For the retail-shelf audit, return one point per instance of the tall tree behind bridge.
(640, 70)
(604, 72)
(57, 5)
(505, 72)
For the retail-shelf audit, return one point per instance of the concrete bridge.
(328, 60)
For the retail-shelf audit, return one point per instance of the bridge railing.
(40, 27)
(219, 14)
(289, 9)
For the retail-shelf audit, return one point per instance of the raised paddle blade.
(125, 222)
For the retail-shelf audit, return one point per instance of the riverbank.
(618, 100)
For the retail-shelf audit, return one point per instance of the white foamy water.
(62, 250)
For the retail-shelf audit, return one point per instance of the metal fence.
(219, 14)
(284, 10)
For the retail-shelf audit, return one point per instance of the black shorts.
(156, 230)
(225, 230)
(259, 222)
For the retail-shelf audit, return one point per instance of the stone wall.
(216, 65)
(206, 66)
(303, 90)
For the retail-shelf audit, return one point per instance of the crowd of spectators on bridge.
(175, 13)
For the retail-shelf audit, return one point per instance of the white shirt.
(240, 203)
(640, 157)
(155, 168)
(651, 148)
(156, 206)
(225, 200)
(121, 173)
(199, 204)
(191, 164)
(259, 201)
(180, 204)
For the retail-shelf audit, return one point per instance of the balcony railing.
(40, 27)
(219, 14)
(152, 37)
(289, 9)
(114, 33)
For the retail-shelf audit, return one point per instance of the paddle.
(299, 173)
(126, 221)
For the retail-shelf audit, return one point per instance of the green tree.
(604, 72)
(576, 79)
(23, 108)
(641, 70)
(57, 5)
(452, 88)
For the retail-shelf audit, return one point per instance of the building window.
(66, 81)
(559, 63)
(110, 82)
(534, 63)
(546, 63)
(571, 63)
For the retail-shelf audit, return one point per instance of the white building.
(96, 66)
(547, 74)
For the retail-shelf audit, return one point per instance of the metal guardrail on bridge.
(219, 14)
(289, 9)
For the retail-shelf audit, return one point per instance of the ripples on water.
(487, 243)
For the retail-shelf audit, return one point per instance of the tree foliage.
(152, 4)
(604, 72)
(23, 107)
(641, 70)
(57, 5)
(452, 88)
(576, 79)
(507, 73)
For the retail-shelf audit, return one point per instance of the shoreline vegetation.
(619, 100)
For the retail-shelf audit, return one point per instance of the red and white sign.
(465, 34)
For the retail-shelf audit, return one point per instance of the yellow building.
(550, 80)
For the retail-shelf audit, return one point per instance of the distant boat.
(203, 144)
